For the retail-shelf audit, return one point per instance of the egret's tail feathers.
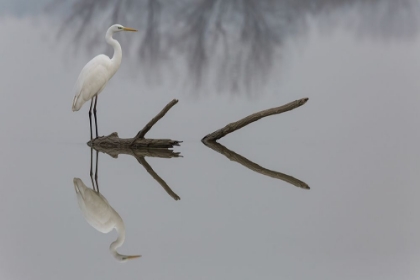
(73, 107)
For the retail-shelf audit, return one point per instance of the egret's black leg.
(90, 120)
(94, 114)
(96, 172)
(91, 168)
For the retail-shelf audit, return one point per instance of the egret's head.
(119, 27)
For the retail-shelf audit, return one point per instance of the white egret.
(96, 73)
(100, 215)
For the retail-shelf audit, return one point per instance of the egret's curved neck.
(119, 226)
(116, 58)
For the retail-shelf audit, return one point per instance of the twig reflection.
(139, 155)
(253, 166)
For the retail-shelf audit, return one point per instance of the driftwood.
(210, 141)
(252, 118)
(253, 166)
(140, 152)
(113, 141)
(139, 155)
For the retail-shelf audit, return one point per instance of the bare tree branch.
(229, 128)
(153, 121)
(138, 141)
(114, 141)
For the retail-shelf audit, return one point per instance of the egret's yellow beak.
(129, 29)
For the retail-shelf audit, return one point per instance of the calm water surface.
(355, 143)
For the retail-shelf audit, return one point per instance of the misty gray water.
(355, 143)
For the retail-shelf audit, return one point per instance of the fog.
(354, 143)
(229, 46)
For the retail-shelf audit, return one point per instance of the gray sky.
(229, 45)
(355, 143)
(22, 7)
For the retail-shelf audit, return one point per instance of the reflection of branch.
(252, 118)
(139, 154)
(253, 166)
(113, 141)
(142, 152)
(150, 48)
(149, 169)
(252, 31)
(194, 36)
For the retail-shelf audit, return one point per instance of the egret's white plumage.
(97, 72)
(92, 80)
(100, 215)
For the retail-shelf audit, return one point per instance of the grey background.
(355, 143)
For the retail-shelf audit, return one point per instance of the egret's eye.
(119, 27)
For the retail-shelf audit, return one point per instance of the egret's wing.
(97, 211)
(91, 80)
(95, 208)
(103, 197)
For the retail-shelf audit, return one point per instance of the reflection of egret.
(100, 215)
(96, 73)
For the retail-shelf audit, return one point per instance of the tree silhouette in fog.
(232, 44)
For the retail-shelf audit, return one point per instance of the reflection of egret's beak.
(129, 29)
(132, 257)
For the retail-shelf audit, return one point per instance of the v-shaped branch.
(210, 141)
(113, 141)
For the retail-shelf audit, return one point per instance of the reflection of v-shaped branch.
(140, 155)
(253, 166)
(144, 152)
(149, 169)
(210, 141)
